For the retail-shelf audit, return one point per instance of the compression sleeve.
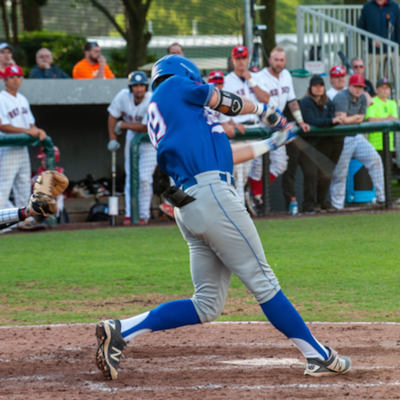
(9, 215)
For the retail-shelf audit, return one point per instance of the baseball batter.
(131, 104)
(16, 117)
(277, 81)
(221, 236)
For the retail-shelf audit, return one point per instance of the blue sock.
(166, 316)
(284, 317)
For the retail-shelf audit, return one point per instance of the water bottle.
(293, 207)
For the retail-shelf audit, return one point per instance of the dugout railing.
(263, 133)
(12, 140)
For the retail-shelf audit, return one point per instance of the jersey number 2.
(155, 125)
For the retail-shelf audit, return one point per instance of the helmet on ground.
(137, 78)
(175, 65)
(42, 154)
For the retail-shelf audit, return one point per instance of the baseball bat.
(320, 160)
(345, 61)
(114, 175)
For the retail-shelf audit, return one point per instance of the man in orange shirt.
(93, 66)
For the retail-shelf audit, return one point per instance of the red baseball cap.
(357, 80)
(337, 70)
(13, 70)
(240, 51)
(216, 77)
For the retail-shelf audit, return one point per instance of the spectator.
(382, 18)
(278, 83)
(93, 66)
(317, 110)
(350, 104)
(5, 58)
(382, 109)
(242, 81)
(176, 48)
(45, 69)
(16, 117)
(357, 64)
(337, 78)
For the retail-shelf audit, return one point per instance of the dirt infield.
(214, 361)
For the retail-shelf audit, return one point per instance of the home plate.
(266, 361)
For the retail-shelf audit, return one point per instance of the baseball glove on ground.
(48, 185)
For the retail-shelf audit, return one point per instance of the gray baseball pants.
(222, 240)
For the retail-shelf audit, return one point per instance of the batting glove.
(273, 118)
(118, 130)
(282, 137)
(113, 145)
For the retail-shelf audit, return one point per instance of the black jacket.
(51, 73)
(320, 116)
(316, 115)
(375, 19)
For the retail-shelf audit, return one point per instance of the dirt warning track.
(213, 361)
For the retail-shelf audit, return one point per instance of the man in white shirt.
(241, 81)
(337, 76)
(278, 83)
(16, 117)
(131, 105)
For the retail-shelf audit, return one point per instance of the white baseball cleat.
(335, 365)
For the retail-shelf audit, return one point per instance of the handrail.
(23, 139)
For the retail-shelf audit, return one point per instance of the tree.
(135, 32)
(31, 16)
(268, 18)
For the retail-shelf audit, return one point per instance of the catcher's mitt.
(48, 185)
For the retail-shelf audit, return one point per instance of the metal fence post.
(300, 37)
(266, 207)
(387, 170)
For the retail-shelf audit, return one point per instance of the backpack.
(98, 213)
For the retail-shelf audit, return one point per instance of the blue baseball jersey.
(188, 138)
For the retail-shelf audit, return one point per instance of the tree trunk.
(137, 42)
(31, 16)
(14, 22)
(5, 20)
(268, 18)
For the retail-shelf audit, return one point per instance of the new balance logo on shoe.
(116, 355)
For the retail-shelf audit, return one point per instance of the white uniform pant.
(15, 174)
(278, 164)
(147, 166)
(360, 148)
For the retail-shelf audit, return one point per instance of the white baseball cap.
(5, 46)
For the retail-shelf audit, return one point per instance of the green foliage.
(333, 268)
(213, 17)
(118, 61)
(66, 49)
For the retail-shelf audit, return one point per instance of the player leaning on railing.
(194, 150)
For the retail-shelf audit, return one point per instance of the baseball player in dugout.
(221, 235)
(241, 81)
(278, 83)
(16, 117)
(93, 66)
(128, 112)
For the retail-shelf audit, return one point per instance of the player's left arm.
(137, 127)
(294, 107)
(261, 95)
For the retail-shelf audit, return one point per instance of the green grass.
(332, 268)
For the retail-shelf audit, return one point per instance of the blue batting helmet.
(137, 78)
(175, 65)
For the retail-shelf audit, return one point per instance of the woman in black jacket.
(317, 110)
